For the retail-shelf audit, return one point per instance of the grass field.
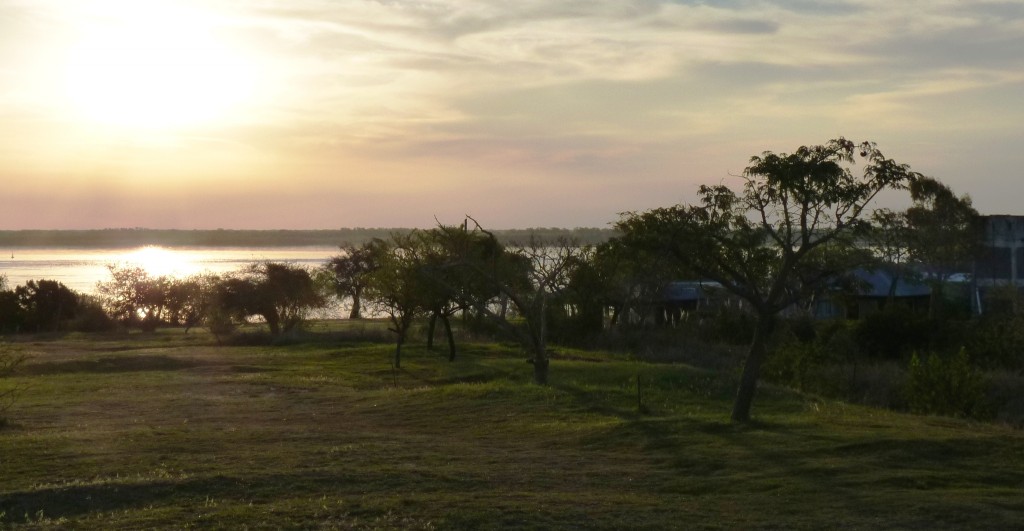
(173, 431)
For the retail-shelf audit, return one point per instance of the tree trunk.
(540, 369)
(398, 351)
(752, 367)
(451, 337)
(272, 322)
(616, 309)
(355, 313)
(540, 355)
(935, 300)
(504, 306)
(431, 326)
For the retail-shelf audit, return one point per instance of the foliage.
(91, 316)
(942, 228)
(38, 306)
(447, 289)
(892, 333)
(943, 235)
(279, 293)
(188, 300)
(793, 228)
(350, 272)
(133, 297)
(948, 386)
(395, 286)
(806, 350)
(890, 239)
(632, 278)
(12, 315)
(46, 304)
(997, 341)
(580, 317)
(532, 277)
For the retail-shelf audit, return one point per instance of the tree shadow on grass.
(112, 364)
(73, 501)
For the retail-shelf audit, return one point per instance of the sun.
(148, 65)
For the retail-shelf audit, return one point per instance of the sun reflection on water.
(159, 261)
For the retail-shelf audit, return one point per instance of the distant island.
(135, 237)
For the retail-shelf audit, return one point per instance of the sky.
(306, 114)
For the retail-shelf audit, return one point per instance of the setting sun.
(123, 71)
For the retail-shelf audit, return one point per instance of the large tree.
(792, 228)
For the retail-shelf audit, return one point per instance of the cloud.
(468, 99)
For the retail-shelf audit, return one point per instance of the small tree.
(133, 297)
(529, 275)
(792, 229)
(447, 289)
(188, 300)
(395, 287)
(350, 273)
(279, 293)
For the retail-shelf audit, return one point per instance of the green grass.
(173, 431)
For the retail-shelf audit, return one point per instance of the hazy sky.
(334, 113)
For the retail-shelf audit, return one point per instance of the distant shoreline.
(127, 238)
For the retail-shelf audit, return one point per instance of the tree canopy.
(789, 231)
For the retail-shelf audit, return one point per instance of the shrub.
(892, 333)
(726, 325)
(808, 355)
(998, 341)
(91, 317)
(948, 386)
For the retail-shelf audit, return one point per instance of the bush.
(809, 354)
(948, 386)
(91, 317)
(726, 325)
(892, 334)
(998, 341)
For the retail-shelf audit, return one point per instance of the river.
(81, 269)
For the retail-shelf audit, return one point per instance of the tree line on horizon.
(135, 237)
(797, 228)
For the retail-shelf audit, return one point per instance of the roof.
(688, 290)
(877, 283)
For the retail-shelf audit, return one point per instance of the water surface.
(81, 269)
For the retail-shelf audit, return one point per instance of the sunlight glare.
(158, 262)
(155, 66)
